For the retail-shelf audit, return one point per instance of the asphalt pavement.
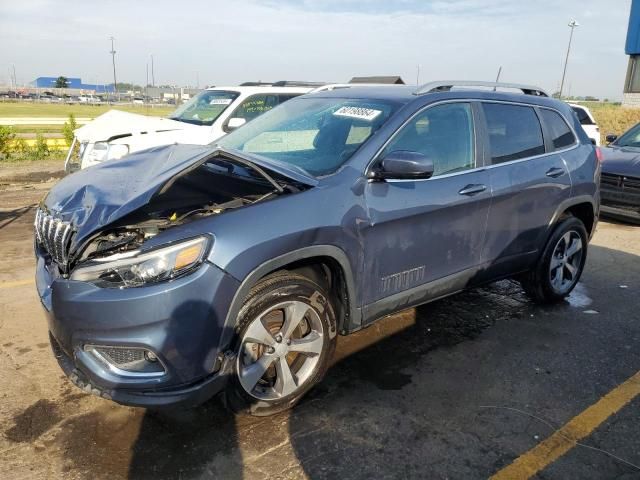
(464, 388)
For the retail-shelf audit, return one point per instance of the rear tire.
(285, 338)
(562, 261)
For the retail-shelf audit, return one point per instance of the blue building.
(632, 48)
(76, 83)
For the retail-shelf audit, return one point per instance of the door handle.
(555, 172)
(472, 189)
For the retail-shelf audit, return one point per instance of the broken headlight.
(136, 269)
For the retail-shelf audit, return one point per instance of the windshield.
(315, 134)
(630, 139)
(205, 107)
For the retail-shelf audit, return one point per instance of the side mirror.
(235, 122)
(610, 138)
(403, 165)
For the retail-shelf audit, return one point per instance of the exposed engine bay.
(213, 188)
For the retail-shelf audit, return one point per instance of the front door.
(425, 237)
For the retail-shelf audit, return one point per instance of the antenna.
(498, 77)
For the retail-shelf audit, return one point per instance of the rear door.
(425, 237)
(529, 180)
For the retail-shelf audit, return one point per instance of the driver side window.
(443, 133)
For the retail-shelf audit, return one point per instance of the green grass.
(612, 118)
(14, 109)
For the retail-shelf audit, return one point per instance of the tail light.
(599, 154)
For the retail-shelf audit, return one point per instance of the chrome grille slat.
(53, 235)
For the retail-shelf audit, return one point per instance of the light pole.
(113, 60)
(572, 24)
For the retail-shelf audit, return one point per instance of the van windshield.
(205, 107)
(315, 134)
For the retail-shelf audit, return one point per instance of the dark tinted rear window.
(583, 116)
(514, 132)
(561, 134)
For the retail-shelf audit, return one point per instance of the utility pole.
(153, 75)
(572, 24)
(113, 60)
(418, 75)
(15, 80)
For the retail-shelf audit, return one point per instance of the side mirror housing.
(403, 165)
(610, 138)
(235, 122)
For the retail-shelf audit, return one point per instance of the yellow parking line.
(17, 283)
(564, 439)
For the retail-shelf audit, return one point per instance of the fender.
(355, 313)
(570, 202)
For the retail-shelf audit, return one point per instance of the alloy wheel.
(566, 262)
(280, 350)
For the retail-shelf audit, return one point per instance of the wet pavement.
(455, 389)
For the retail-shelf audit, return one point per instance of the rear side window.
(583, 116)
(561, 134)
(514, 132)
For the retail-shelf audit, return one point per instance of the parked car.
(588, 122)
(183, 271)
(620, 182)
(206, 117)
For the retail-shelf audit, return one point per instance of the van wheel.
(286, 336)
(561, 264)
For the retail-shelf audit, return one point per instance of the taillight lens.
(599, 155)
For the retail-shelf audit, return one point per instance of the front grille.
(53, 235)
(630, 184)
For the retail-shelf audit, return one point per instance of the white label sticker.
(220, 101)
(360, 113)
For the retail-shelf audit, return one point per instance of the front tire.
(286, 336)
(561, 264)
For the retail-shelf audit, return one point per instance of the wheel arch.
(582, 207)
(323, 260)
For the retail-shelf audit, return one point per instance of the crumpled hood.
(621, 161)
(97, 196)
(115, 123)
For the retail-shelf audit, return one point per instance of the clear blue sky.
(227, 42)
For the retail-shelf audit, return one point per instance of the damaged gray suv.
(181, 272)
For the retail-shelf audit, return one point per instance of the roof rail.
(446, 85)
(296, 83)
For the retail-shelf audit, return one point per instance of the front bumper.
(181, 322)
(618, 202)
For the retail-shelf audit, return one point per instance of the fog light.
(128, 361)
(150, 356)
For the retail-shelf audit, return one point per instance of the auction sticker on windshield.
(359, 113)
(220, 101)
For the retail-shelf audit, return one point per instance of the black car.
(620, 181)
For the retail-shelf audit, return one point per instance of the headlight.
(135, 269)
(102, 151)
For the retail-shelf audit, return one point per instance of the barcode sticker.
(360, 113)
(220, 101)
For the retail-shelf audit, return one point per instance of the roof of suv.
(262, 89)
(407, 93)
